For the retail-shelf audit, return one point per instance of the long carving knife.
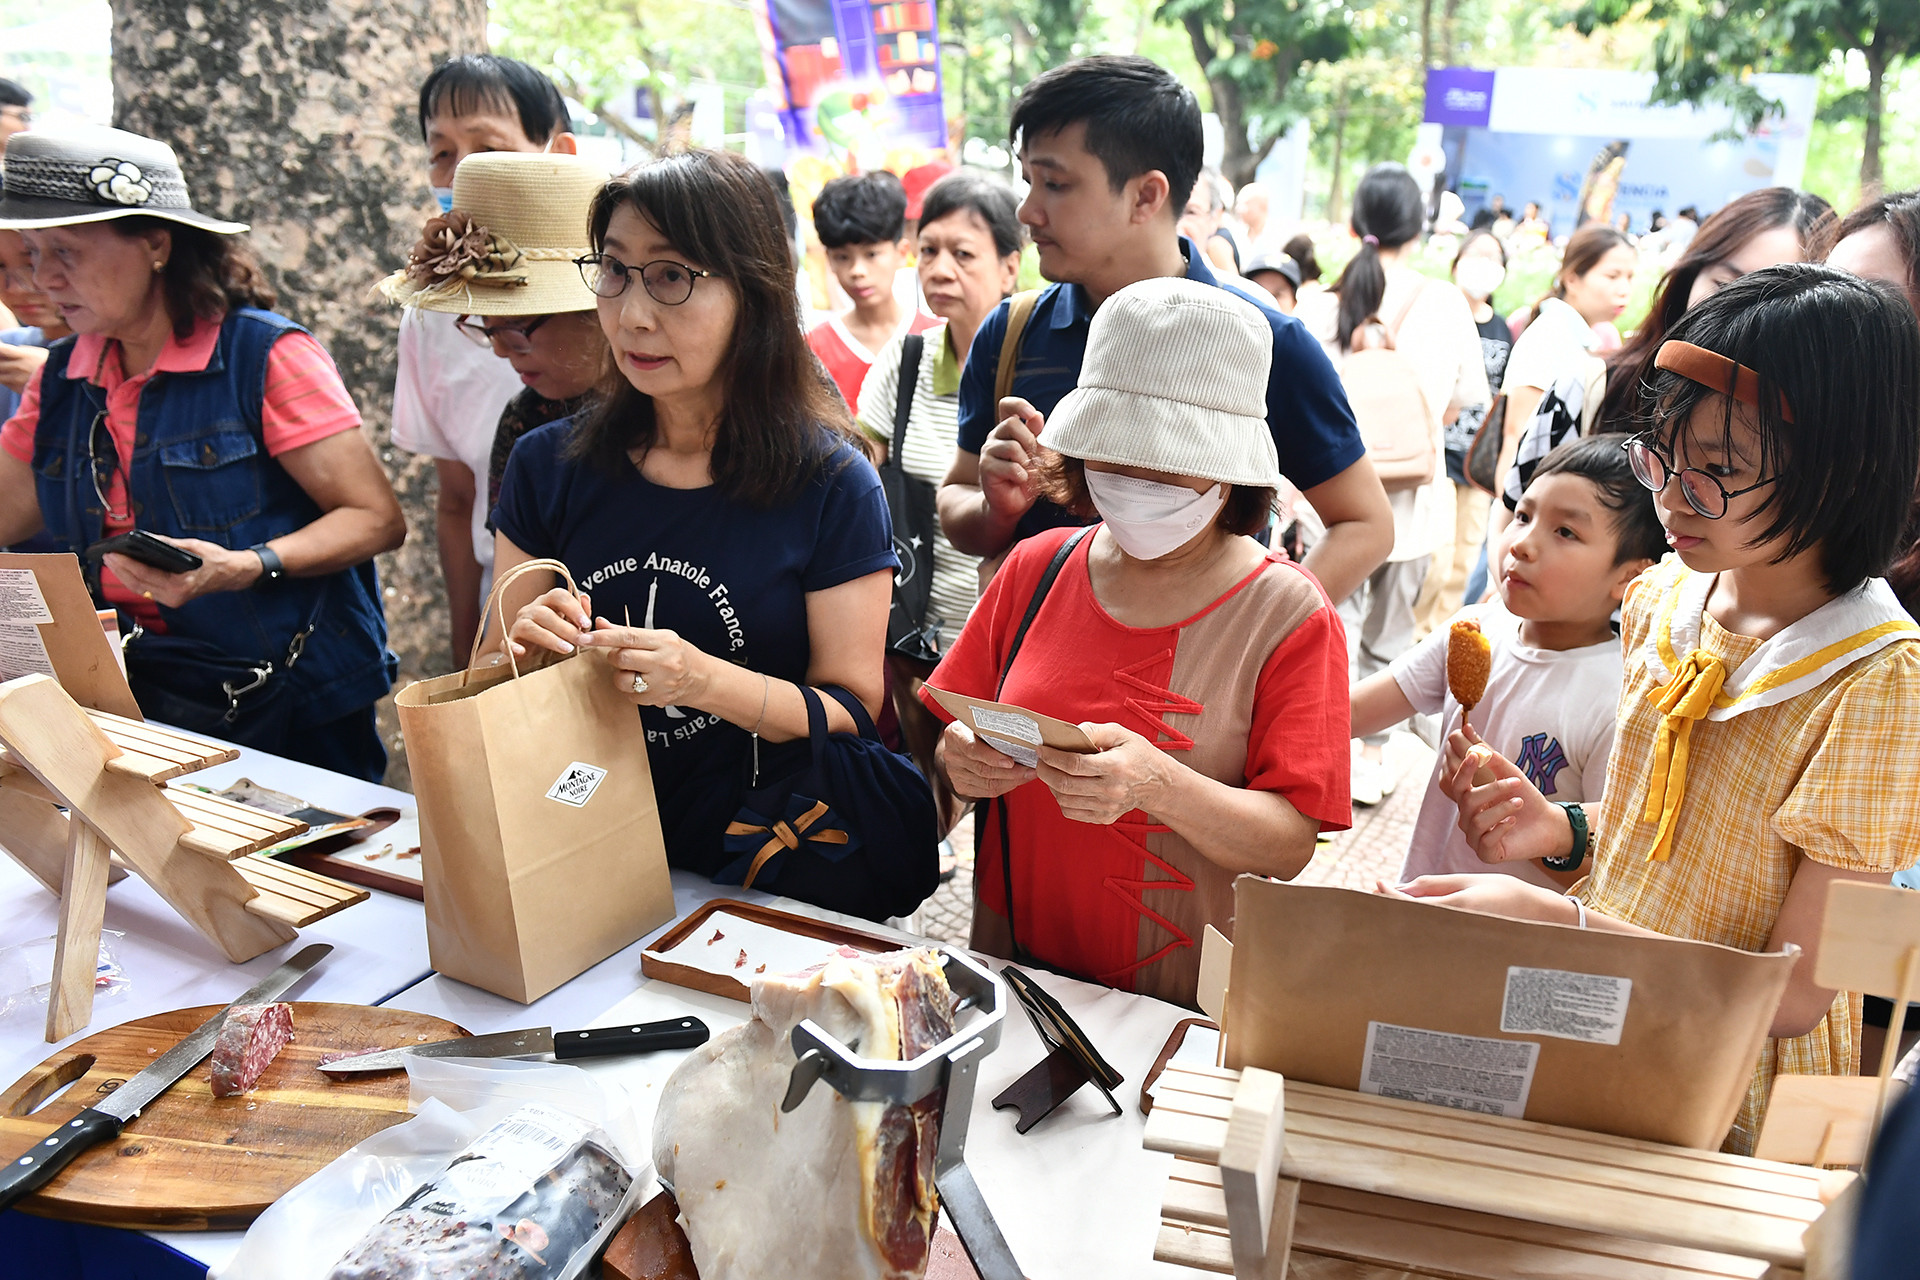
(103, 1121)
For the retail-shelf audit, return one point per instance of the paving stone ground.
(1372, 850)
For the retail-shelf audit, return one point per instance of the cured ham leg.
(833, 1190)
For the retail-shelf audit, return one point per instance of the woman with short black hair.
(729, 539)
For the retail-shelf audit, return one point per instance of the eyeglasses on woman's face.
(667, 282)
(514, 339)
(1702, 490)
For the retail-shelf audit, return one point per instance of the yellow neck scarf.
(1685, 698)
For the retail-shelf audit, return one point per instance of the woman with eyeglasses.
(184, 409)
(501, 261)
(729, 539)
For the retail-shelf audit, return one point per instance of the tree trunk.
(1334, 183)
(1450, 11)
(299, 117)
(1871, 177)
(1426, 34)
(1237, 159)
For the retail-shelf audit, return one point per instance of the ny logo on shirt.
(1541, 760)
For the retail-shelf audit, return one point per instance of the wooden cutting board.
(194, 1162)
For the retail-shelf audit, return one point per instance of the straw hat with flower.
(507, 246)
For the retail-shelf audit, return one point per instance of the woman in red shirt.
(1210, 672)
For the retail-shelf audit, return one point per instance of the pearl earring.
(158, 267)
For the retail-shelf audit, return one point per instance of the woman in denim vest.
(183, 409)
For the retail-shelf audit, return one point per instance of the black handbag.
(198, 686)
(1482, 463)
(853, 831)
(911, 632)
(999, 804)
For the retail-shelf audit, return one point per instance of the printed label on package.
(20, 600)
(23, 653)
(1007, 724)
(1469, 1073)
(577, 784)
(1565, 1005)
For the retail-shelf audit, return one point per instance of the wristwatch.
(1582, 839)
(271, 570)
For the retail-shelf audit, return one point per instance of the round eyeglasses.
(667, 282)
(514, 339)
(1703, 491)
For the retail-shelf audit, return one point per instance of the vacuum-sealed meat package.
(533, 1198)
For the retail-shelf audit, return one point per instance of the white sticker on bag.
(576, 785)
(1565, 1005)
(1468, 1073)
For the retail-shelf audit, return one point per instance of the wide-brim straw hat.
(87, 173)
(507, 246)
(1174, 380)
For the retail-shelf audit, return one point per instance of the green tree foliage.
(1250, 52)
(598, 50)
(1707, 50)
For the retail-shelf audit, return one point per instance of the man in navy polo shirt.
(1112, 146)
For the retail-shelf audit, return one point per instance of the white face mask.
(1479, 277)
(1149, 519)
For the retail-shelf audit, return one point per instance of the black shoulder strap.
(1039, 596)
(910, 351)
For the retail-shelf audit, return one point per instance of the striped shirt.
(933, 428)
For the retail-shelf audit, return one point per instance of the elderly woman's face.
(666, 351)
(99, 280)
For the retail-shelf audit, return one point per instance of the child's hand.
(1490, 895)
(1506, 819)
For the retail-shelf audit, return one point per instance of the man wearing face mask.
(449, 392)
(1209, 672)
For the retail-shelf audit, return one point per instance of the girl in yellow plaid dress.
(1769, 720)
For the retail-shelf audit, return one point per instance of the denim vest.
(200, 470)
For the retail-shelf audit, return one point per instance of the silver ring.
(639, 683)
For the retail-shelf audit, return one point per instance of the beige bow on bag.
(540, 836)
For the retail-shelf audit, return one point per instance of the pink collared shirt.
(305, 401)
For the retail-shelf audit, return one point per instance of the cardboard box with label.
(1643, 1037)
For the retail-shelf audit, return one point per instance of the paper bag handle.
(496, 607)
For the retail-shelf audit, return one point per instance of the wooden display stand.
(1268, 1174)
(109, 774)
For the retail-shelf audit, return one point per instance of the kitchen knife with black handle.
(594, 1042)
(104, 1120)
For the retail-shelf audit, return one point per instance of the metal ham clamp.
(952, 1065)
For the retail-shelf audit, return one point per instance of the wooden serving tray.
(194, 1162)
(656, 963)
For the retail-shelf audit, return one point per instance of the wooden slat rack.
(79, 786)
(1364, 1182)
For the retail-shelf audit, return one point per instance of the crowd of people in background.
(1191, 494)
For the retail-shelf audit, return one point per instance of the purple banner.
(1459, 95)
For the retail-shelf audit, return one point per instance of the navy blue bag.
(853, 831)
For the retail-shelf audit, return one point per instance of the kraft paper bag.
(541, 852)
(1652, 1038)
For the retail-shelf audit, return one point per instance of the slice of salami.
(249, 1039)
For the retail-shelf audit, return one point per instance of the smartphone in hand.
(138, 544)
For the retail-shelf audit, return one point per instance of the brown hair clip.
(1713, 370)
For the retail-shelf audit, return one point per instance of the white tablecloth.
(379, 946)
(1075, 1196)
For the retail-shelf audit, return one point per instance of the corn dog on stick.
(1469, 659)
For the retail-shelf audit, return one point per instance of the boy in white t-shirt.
(1584, 529)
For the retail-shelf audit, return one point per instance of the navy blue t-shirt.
(727, 577)
(1307, 410)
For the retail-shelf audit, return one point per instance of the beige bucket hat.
(1175, 380)
(507, 246)
(87, 173)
